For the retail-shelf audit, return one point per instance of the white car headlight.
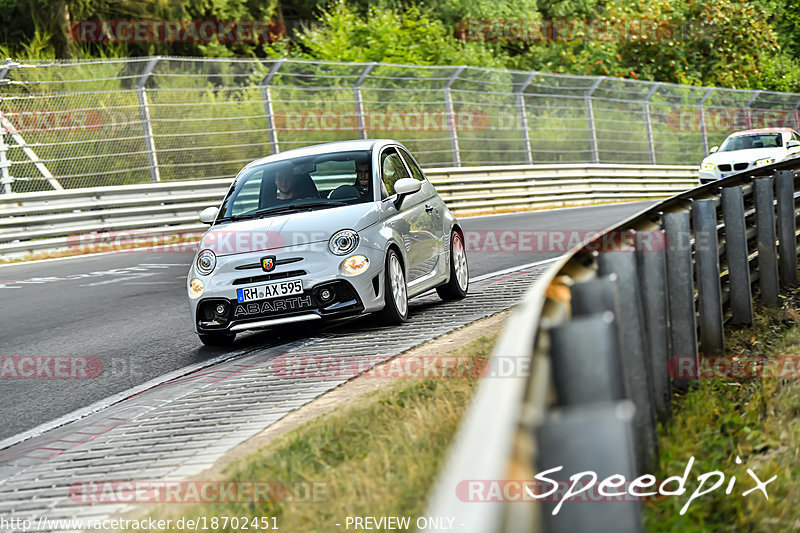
(206, 262)
(343, 242)
(765, 161)
(707, 166)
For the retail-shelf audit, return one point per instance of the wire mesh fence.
(68, 124)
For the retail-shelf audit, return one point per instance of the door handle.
(429, 208)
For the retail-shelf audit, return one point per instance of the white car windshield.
(746, 142)
(309, 182)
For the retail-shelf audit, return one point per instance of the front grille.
(740, 166)
(270, 277)
(725, 168)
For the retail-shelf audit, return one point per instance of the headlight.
(196, 288)
(355, 264)
(343, 242)
(707, 166)
(764, 162)
(206, 262)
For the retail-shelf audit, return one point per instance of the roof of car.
(326, 148)
(762, 130)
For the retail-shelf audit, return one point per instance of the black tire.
(217, 339)
(395, 308)
(457, 286)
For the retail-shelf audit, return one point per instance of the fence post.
(590, 121)
(5, 175)
(748, 109)
(523, 118)
(144, 114)
(787, 228)
(741, 296)
(266, 93)
(709, 292)
(359, 103)
(765, 236)
(702, 115)
(649, 123)
(680, 280)
(451, 117)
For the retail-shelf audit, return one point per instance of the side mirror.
(209, 215)
(403, 187)
(713, 149)
(792, 144)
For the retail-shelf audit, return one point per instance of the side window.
(392, 169)
(415, 171)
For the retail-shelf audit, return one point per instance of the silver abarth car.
(321, 232)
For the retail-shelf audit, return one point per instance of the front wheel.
(395, 293)
(458, 284)
(217, 339)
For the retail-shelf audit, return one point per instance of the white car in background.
(749, 149)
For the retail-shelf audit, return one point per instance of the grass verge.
(755, 419)
(377, 457)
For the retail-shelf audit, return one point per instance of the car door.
(412, 221)
(434, 207)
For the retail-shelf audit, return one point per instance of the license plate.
(270, 290)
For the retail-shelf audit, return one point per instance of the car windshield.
(310, 182)
(746, 142)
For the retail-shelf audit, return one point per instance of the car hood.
(290, 229)
(741, 156)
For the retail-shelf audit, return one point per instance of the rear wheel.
(217, 339)
(395, 293)
(456, 288)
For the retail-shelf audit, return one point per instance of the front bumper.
(218, 308)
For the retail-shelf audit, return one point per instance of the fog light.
(196, 288)
(355, 264)
(326, 295)
(220, 309)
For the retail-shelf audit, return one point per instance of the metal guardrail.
(105, 122)
(598, 331)
(57, 219)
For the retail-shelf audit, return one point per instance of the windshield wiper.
(234, 218)
(296, 207)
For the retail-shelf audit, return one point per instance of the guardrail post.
(787, 228)
(597, 438)
(648, 123)
(266, 94)
(585, 355)
(741, 296)
(451, 116)
(706, 246)
(652, 268)
(5, 175)
(590, 121)
(765, 236)
(636, 363)
(359, 102)
(144, 114)
(680, 280)
(523, 118)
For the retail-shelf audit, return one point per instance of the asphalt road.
(129, 310)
